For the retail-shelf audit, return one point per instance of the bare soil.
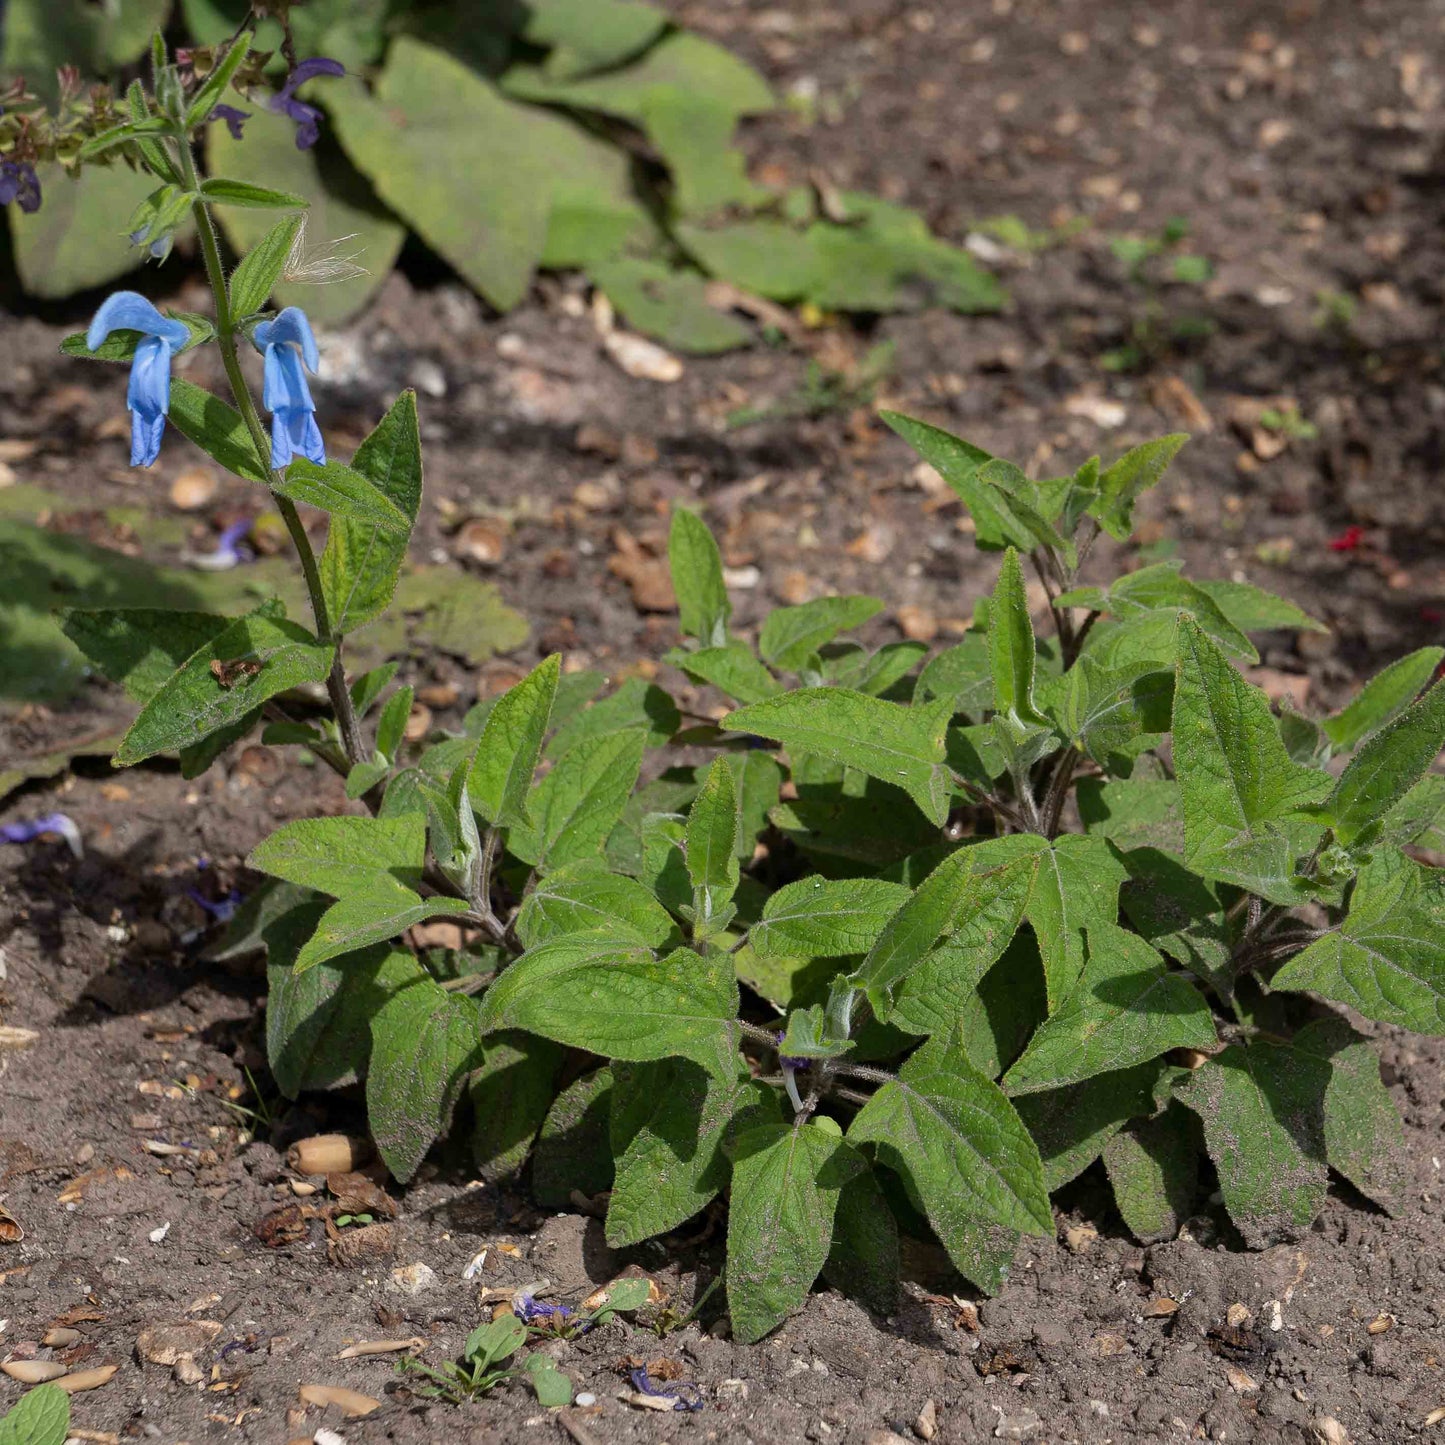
(1302, 142)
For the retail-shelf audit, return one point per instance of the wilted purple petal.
(52, 823)
(530, 1310)
(684, 1394)
(310, 69)
(233, 116)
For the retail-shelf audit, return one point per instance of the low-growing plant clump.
(902, 943)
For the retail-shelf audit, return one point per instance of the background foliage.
(509, 137)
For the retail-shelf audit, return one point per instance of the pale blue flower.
(290, 352)
(149, 393)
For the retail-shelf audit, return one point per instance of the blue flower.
(53, 825)
(18, 182)
(234, 117)
(290, 351)
(149, 393)
(307, 117)
(683, 1393)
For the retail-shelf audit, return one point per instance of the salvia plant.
(902, 943)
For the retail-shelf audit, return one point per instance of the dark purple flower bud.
(234, 118)
(683, 1393)
(53, 824)
(19, 183)
(307, 117)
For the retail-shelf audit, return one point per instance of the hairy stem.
(226, 337)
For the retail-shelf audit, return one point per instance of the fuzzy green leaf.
(733, 670)
(963, 674)
(887, 740)
(381, 910)
(960, 1142)
(636, 704)
(576, 806)
(573, 1152)
(1011, 645)
(1238, 787)
(1386, 958)
(260, 268)
(1122, 484)
(586, 897)
(140, 647)
(510, 747)
(864, 1259)
(1262, 1109)
(697, 578)
(510, 1093)
(343, 855)
(1153, 1166)
(1384, 697)
(424, 1041)
(223, 191)
(791, 635)
(40, 1417)
(215, 83)
(343, 493)
(786, 1182)
(711, 850)
(825, 918)
(1125, 1009)
(195, 701)
(593, 992)
(217, 429)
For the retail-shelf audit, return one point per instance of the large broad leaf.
(510, 1092)
(1153, 1166)
(1262, 1108)
(791, 635)
(586, 898)
(361, 563)
(1386, 959)
(1388, 764)
(95, 39)
(733, 670)
(786, 1182)
(381, 910)
(1179, 913)
(1114, 713)
(959, 1141)
(343, 855)
(963, 674)
(616, 999)
(424, 1040)
(76, 239)
(863, 1262)
(673, 1162)
(576, 806)
(1251, 609)
(346, 228)
(586, 35)
(1125, 1009)
(887, 740)
(1364, 1137)
(825, 918)
(141, 647)
(636, 704)
(573, 1153)
(253, 660)
(1237, 785)
(343, 493)
(668, 303)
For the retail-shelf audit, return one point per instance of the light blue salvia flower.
(149, 393)
(290, 352)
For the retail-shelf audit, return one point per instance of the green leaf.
(887, 740)
(552, 1387)
(636, 704)
(214, 85)
(260, 268)
(223, 191)
(120, 345)
(963, 674)
(361, 563)
(1387, 765)
(1180, 914)
(1011, 645)
(382, 910)
(424, 1041)
(1132, 813)
(1153, 1166)
(791, 635)
(510, 1093)
(1251, 609)
(936, 991)
(344, 855)
(694, 135)
(669, 304)
(1072, 1125)
(763, 255)
(786, 1183)
(1384, 697)
(140, 648)
(958, 462)
(955, 891)
(998, 1017)
(1419, 817)
(586, 897)
(217, 429)
(494, 1341)
(1385, 959)
(952, 1132)
(875, 673)
(824, 918)
(1237, 784)
(733, 670)
(672, 1163)
(1125, 1009)
(810, 1035)
(588, 35)
(1262, 1105)
(1122, 484)
(593, 992)
(1152, 595)
(573, 1152)
(40, 1417)
(343, 493)
(507, 754)
(863, 1261)
(711, 849)
(391, 724)
(1116, 712)
(697, 578)
(195, 701)
(576, 806)
(1364, 1136)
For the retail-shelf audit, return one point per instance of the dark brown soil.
(1302, 141)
